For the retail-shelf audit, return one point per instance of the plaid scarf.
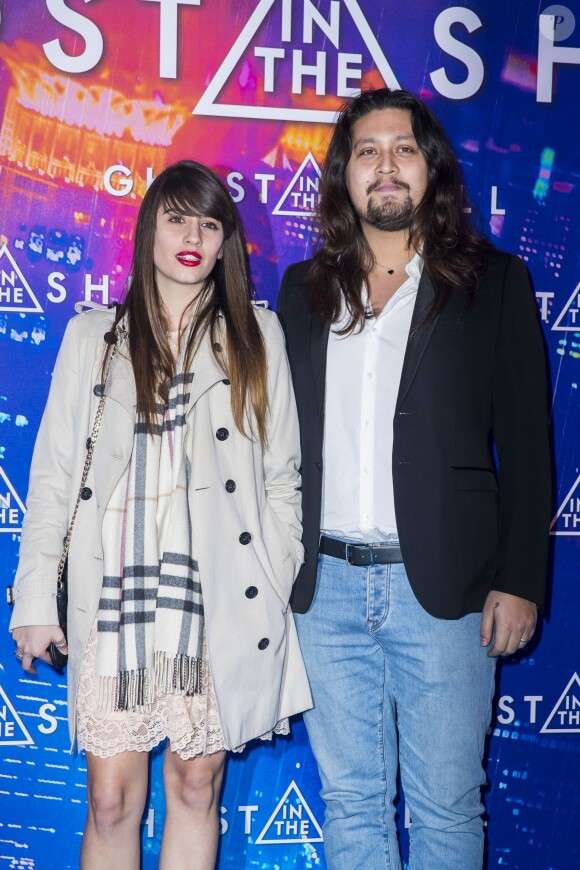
(150, 619)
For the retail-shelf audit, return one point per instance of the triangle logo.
(567, 519)
(15, 291)
(288, 52)
(565, 717)
(301, 196)
(569, 318)
(12, 730)
(292, 821)
(12, 508)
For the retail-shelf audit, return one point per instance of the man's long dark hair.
(440, 229)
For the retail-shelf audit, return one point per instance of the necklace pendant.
(390, 271)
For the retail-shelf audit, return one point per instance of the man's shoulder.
(296, 275)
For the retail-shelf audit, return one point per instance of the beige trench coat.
(256, 684)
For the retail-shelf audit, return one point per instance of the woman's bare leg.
(190, 833)
(117, 791)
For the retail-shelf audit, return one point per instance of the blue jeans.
(394, 686)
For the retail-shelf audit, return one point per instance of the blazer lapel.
(319, 332)
(418, 335)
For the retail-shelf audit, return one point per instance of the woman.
(187, 538)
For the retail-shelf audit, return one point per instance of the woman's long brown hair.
(190, 188)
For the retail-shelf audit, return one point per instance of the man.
(415, 351)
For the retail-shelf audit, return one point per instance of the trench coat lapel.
(418, 336)
(207, 371)
(120, 384)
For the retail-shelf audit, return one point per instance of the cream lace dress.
(192, 724)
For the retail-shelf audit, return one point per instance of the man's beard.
(390, 215)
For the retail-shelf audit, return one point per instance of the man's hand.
(510, 620)
(32, 642)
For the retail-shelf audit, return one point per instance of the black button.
(251, 592)
(245, 538)
(263, 643)
(319, 466)
(88, 443)
(230, 486)
(86, 493)
(222, 434)
(226, 382)
(99, 390)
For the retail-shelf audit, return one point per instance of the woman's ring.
(61, 644)
(19, 654)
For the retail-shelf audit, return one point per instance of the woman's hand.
(32, 642)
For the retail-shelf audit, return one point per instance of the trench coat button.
(226, 381)
(222, 434)
(251, 592)
(86, 493)
(99, 390)
(263, 643)
(245, 538)
(230, 485)
(217, 347)
(319, 466)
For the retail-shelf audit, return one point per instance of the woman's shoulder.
(89, 324)
(269, 325)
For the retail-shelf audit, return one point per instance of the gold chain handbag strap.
(85, 474)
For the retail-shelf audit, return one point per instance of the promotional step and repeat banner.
(96, 97)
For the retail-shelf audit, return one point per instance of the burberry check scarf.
(150, 619)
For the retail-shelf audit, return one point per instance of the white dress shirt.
(363, 372)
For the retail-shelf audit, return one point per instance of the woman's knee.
(196, 782)
(116, 793)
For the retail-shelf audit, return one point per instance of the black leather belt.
(361, 555)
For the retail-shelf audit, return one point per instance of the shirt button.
(366, 471)
(263, 643)
(222, 434)
(251, 592)
(374, 330)
(230, 486)
(245, 538)
(86, 493)
(369, 374)
(319, 466)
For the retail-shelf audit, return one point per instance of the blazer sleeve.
(47, 505)
(282, 452)
(521, 423)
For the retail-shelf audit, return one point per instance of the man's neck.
(389, 249)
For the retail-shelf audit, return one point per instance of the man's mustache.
(378, 183)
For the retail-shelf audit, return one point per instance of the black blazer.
(471, 380)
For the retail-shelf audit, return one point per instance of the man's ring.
(523, 640)
(61, 644)
(19, 654)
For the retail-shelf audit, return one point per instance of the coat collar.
(120, 384)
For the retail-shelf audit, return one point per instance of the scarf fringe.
(139, 689)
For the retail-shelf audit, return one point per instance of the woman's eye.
(175, 219)
(211, 225)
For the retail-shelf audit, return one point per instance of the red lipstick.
(189, 258)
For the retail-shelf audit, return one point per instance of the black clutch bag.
(57, 658)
